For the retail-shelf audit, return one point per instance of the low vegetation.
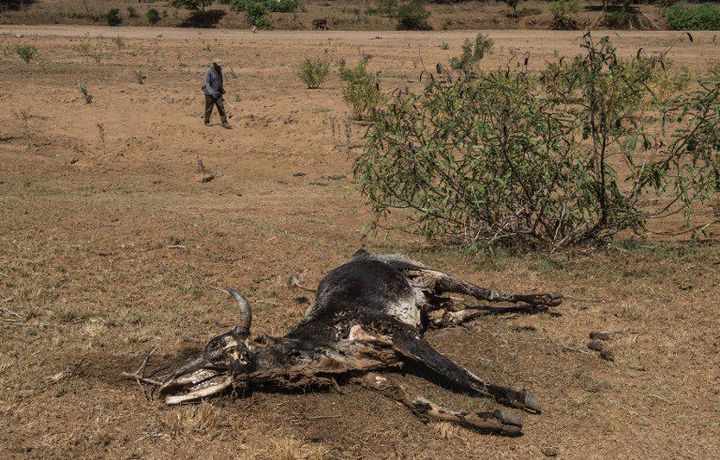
(26, 52)
(568, 155)
(561, 14)
(113, 17)
(119, 41)
(472, 53)
(192, 5)
(314, 71)
(360, 90)
(693, 17)
(257, 10)
(84, 92)
(153, 16)
(412, 15)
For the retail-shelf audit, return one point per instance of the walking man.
(213, 89)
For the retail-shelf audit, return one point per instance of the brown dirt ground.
(88, 283)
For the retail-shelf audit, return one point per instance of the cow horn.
(245, 311)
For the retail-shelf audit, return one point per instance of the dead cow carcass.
(369, 315)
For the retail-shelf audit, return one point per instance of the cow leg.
(418, 350)
(448, 317)
(439, 283)
(498, 422)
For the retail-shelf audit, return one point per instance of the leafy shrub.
(570, 155)
(561, 11)
(26, 52)
(284, 6)
(257, 10)
(132, 12)
(153, 16)
(113, 17)
(192, 5)
(686, 17)
(388, 7)
(360, 90)
(314, 71)
(263, 22)
(272, 6)
(472, 55)
(412, 15)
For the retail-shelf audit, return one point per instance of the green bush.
(26, 52)
(263, 22)
(153, 16)
(192, 5)
(272, 6)
(113, 17)
(132, 12)
(314, 71)
(576, 153)
(360, 90)
(561, 11)
(705, 16)
(388, 7)
(257, 10)
(412, 15)
(472, 55)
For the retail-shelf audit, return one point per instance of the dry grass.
(106, 255)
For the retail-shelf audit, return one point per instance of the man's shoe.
(226, 126)
(207, 123)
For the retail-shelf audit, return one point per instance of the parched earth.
(111, 245)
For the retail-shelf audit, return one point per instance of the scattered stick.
(10, 312)
(321, 417)
(139, 375)
(176, 246)
(577, 350)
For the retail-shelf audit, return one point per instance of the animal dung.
(600, 335)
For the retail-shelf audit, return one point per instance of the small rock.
(595, 345)
(600, 335)
(607, 354)
(73, 161)
(298, 174)
(549, 451)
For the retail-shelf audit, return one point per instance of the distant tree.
(610, 4)
(513, 4)
(193, 5)
(413, 16)
(113, 17)
(153, 16)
